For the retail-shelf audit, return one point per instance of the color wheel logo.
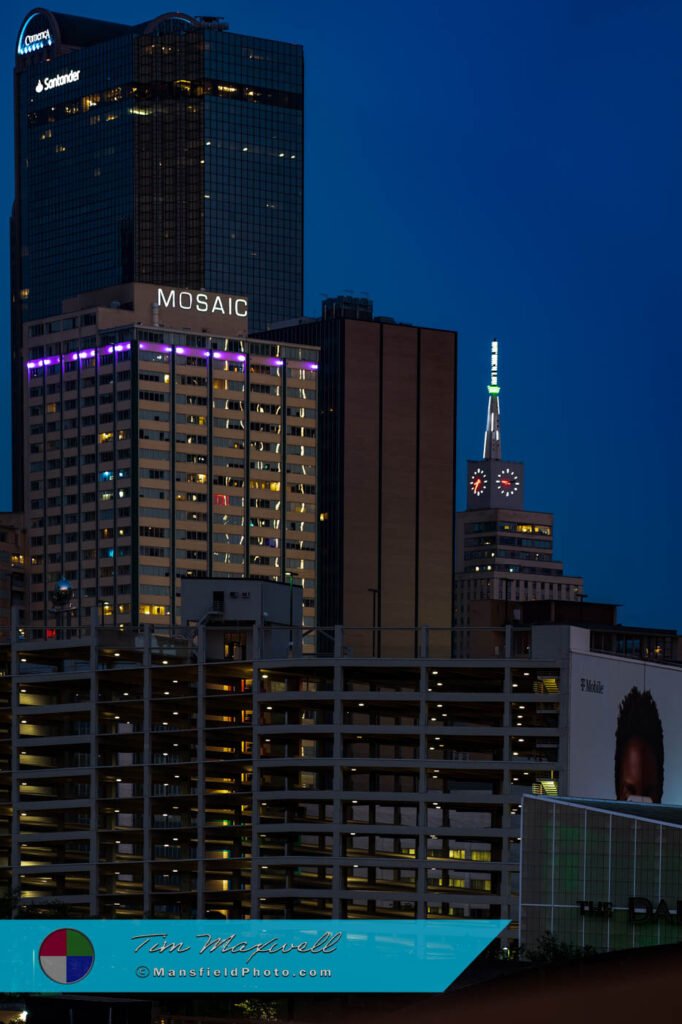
(66, 956)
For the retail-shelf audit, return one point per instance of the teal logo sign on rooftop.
(35, 35)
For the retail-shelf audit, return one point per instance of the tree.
(258, 1010)
(549, 950)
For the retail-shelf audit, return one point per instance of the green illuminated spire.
(492, 444)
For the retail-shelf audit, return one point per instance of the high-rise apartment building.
(160, 443)
(503, 552)
(387, 473)
(169, 152)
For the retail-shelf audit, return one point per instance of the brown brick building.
(386, 473)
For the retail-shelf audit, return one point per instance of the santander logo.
(53, 83)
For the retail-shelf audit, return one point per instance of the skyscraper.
(504, 552)
(160, 444)
(169, 152)
(386, 477)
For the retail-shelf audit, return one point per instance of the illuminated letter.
(202, 302)
(161, 299)
(242, 303)
(188, 300)
(218, 305)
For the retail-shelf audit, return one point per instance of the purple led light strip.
(201, 353)
(227, 355)
(72, 357)
(151, 346)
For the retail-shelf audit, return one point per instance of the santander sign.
(53, 83)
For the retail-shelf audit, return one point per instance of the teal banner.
(238, 956)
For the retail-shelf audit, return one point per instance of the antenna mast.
(492, 444)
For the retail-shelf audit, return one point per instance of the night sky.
(510, 170)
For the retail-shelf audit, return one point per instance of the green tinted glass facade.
(606, 876)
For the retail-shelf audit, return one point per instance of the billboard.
(625, 730)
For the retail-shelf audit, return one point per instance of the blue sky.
(510, 170)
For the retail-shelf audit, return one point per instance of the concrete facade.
(158, 445)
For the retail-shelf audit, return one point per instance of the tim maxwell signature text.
(158, 942)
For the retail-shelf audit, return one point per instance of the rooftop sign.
(201, 302)
(35, 35)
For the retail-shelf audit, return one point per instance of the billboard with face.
(625, 730)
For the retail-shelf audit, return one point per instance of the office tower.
(386, 473)
(169, 152)
(160, 443)
(503, 552)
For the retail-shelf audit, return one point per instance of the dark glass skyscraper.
(169, 152)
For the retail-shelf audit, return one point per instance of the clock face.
(507, 482)
(478, 482)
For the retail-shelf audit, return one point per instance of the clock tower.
(493, 482)
(503, 551)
